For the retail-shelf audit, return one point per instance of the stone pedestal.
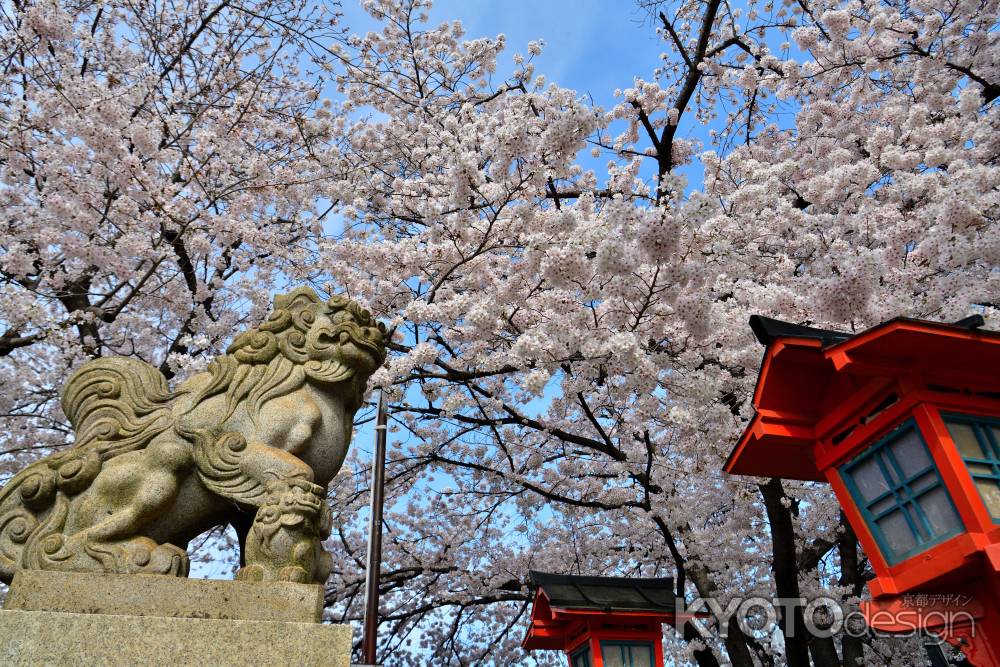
(63, 619)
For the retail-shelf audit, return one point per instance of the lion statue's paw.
(250, 573)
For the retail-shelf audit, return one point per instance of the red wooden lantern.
(903, 421)
(601, 621)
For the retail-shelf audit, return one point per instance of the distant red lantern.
(601, 621)
(903, 421)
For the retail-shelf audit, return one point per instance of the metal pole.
(373, 574)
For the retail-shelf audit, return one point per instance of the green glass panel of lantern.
(964, 437)
(613, 655)
(896, 532)
(910, 454)
(990, 492)
(980, 468)
(870, 481)
(882, 506)
(642, 655)
(940, 513)
(923, 482)
(581, 658)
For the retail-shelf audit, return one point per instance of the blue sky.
(592, 46)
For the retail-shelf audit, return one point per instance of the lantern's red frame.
(569, 630)
(823, 398)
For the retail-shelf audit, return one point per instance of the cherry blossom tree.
(573, 358)
(159, 165)
(571, 363)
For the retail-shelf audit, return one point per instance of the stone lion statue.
(252, 442)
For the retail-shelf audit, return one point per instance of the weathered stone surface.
(252, 442)
(154, 595)
(31, 638)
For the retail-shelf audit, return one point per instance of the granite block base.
(163, 621)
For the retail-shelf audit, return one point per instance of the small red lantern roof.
(567, 606)
(808, 375)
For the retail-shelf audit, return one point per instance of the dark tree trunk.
(824, 652)
(704, 657)
(852, 648)
(786, 576)
(737, 644)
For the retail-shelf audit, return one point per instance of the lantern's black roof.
(606, 593)
(767, 329)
